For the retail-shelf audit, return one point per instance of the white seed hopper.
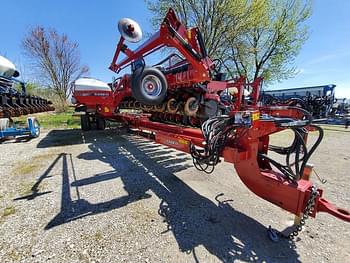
(7, 68)
(89, 84)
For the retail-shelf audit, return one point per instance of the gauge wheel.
(191, 107)
(172, 106)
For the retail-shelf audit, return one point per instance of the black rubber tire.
(138, 91)
(100, 123)
(85, 122)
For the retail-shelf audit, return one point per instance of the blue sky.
(324, 59)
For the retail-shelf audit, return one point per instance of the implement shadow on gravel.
(193, 219)
(73, 137)
(61, 138)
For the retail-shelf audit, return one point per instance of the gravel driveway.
(101, 196)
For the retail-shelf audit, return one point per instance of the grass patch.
(8, 211)
(26, 168)
(26, 189)
(50, 120)
(32, 165)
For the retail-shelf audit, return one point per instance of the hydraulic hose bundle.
(215, 131)
(295, 169)
(300, 150)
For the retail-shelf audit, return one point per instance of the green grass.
(50, 120)
(33, 165)
(8, 211)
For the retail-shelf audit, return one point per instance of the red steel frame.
(242, 151)
(198, 71)
(263, 181)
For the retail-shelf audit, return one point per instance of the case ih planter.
(170, 102)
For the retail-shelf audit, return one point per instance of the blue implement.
(32, 130)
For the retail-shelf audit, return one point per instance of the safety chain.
(307, 212)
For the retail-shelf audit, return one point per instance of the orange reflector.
(255, 116)
(182, 141)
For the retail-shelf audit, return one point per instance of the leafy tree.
(55, 58)
(252, 37)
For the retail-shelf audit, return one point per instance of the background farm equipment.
(169, 103)
(340, 113)
(320, 101)
(15, 102)
(9, 130)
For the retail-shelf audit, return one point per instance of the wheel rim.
(151, 86)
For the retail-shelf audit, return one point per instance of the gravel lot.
(96, 196)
